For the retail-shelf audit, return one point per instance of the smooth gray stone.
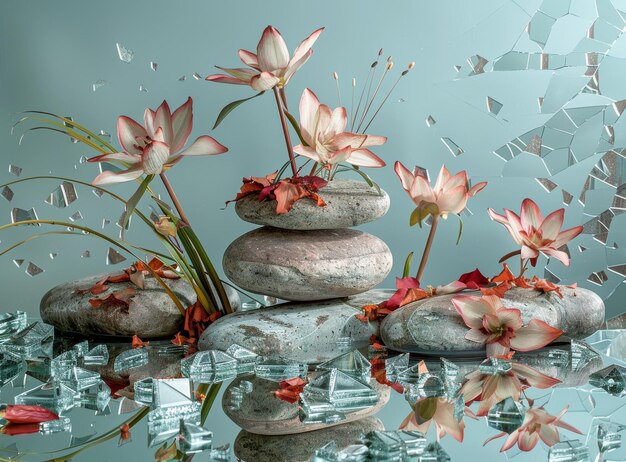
(432, 326)
(151, 313)
(249, 447)
(348, 203)
(307, 265)
(297, 331)
(262, 413)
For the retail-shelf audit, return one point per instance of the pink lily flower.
(440, 411)
(490, 389)
(537, 424)
(327, 143)
(154, 147)
(535, 234)
(501, 328)
(270, 67)
(449, 195)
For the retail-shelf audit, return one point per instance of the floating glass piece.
(81, 348)
(63, 195)
(153, 65)
(143, 88)
(194, 438)
(96, 397)
(63, 424)
(114, 257)
(130, 359)
(506, 416)
(105, 222)
(454, 148)
(85, 254)
(97, 356)
(395, 445)
(182, 78)
(612, 379)
(124, 53)
(55, 396)
(581, 354)
(434, 452)
(278, 370)
(396, 364)
(410, 375)
(352, 363)
(18, 214)
(568, 451)
(98, 84)
(144, 390)
(76, 216)
(249, 306)
(430, 121)
(197, 76)
(82, 379)
(18, 262)
(171, 392)
(33, 270)
(221, 452)
(495, 366)
(7, 193)
(493, 106)
(209, 366)
(451, 378)
(246, 359)
(97, 192)
(15, 170)
(9, 370)
(609, 437)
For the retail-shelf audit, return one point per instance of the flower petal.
(510, 317)
(337, 124)
(204, 146)
(272, 52)
(533, 376)
(420, 191)
(536, 334)
(563, 257)
(405, 175)
(475, 335)
(528, 252)
(549, 435)
(241, 73)
(460, 179)
(221, 78)
(442, 178)
(472, 309)
(531, 215)
(163, 120)
(154, 157)
(307, 151)
(264, 81)
(148, 120)
(249, 59)
(478, 187)
(294, 66)
(308, 115)
(453, 200)
(365, 158)
(108, 177)
(527, 441)
(305, 46)
(131, 135)
(182, 122)
(565, 236)
(373, 140)
(117, 156)
(552, 224)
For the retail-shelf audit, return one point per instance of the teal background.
(52, 53)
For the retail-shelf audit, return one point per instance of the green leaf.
(421, 213)
(230, 107)
(365, 177)
(131, 204)
(296, 127)
(407, 265)
(458, 239)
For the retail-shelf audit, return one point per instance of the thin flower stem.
(352, 103)
(336, 77)
(523, 264)
(283, 123)
(172, 195)
(382, 104)
(283, 97)
(429, 244)
(369, 75)
(380, 82)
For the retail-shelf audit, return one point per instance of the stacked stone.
(312, 257)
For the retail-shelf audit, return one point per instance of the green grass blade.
(230, 107)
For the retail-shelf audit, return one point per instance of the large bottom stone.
(261, 412)
(306, 332)
(432, 326)
(307, 265)
(249, 447)
(151, 312)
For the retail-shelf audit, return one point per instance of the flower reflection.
(443, 412)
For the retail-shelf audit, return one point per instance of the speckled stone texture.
(249, 447)
(433, 326)
(151, 313)
(306, 332)
(307, 265)
(262, 413)
(348, 203)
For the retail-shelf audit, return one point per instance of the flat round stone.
(262, 413)
(432, 326)
(348, 203)
(301, 447)
(150, 314)
(306, 332)
(307, 265)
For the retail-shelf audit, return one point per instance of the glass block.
(395, 445)
(63, 195)
(194, 438)
(62, 424)
(171, 392)
(57, 397)
(429, 386)
(164, 422)
(81, 379)
(327, 453)
(7, 193)
(581, 354)
(18, 214)
(568, 451)
(81, 348)
(434, 453)
(246, 359)
(353, 453)
(278, 370)
(61, 367)
(312, 412)
(97, 356)
(612, 379)
(96, 397)
(352, 363)
(38, 368)
(506, 416)
(609, 437)
(130, 359)
(495, 366)
(144, 390)
(31, 341)
(396, 364)
(410, 375)
(451, 378)
(222, 452)
(246, 386)
(209, 366)
(172, 350)
(11, 323)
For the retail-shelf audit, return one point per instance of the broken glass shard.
(581, 354)
(171, 392)
(493, 106)
(434, 452)
(353, 453)
(82, 379)
(105, 222)
(410, 375)
(249, 306)
(9, 370)
(197, 76)
(124, 53)
(429, 386)
(454, 148)
(395, 365)
(568, 451)
(11, 323)
(278, 370)
(352, 363)
(172, 350)
(76, 216)
(7, 193)
(506, 416)
(194, 438)
(34, 340)
(341, 390)
(450, 372)
(97, 192)
(182, 78)
(81, 348)
(63, 195)
(379, 351)
(395, 445)
(85, 254)
(153, 65)
(209, 366)
(612, 379)
(171, 402)
(343, 343)
(246, 359)
(15, 170)
(327, 453)
(61, 366)
(96, 397)
(130, 359)
(609, 436)
(98, 84)
(495, 366)
(33, 270)
(430, 121)
(55, 396)
(18, 214)
(144, 390)
(63, 424)
(114, 257)
(18, 262)
(97, 356)
(246, 386)
(221, 452)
